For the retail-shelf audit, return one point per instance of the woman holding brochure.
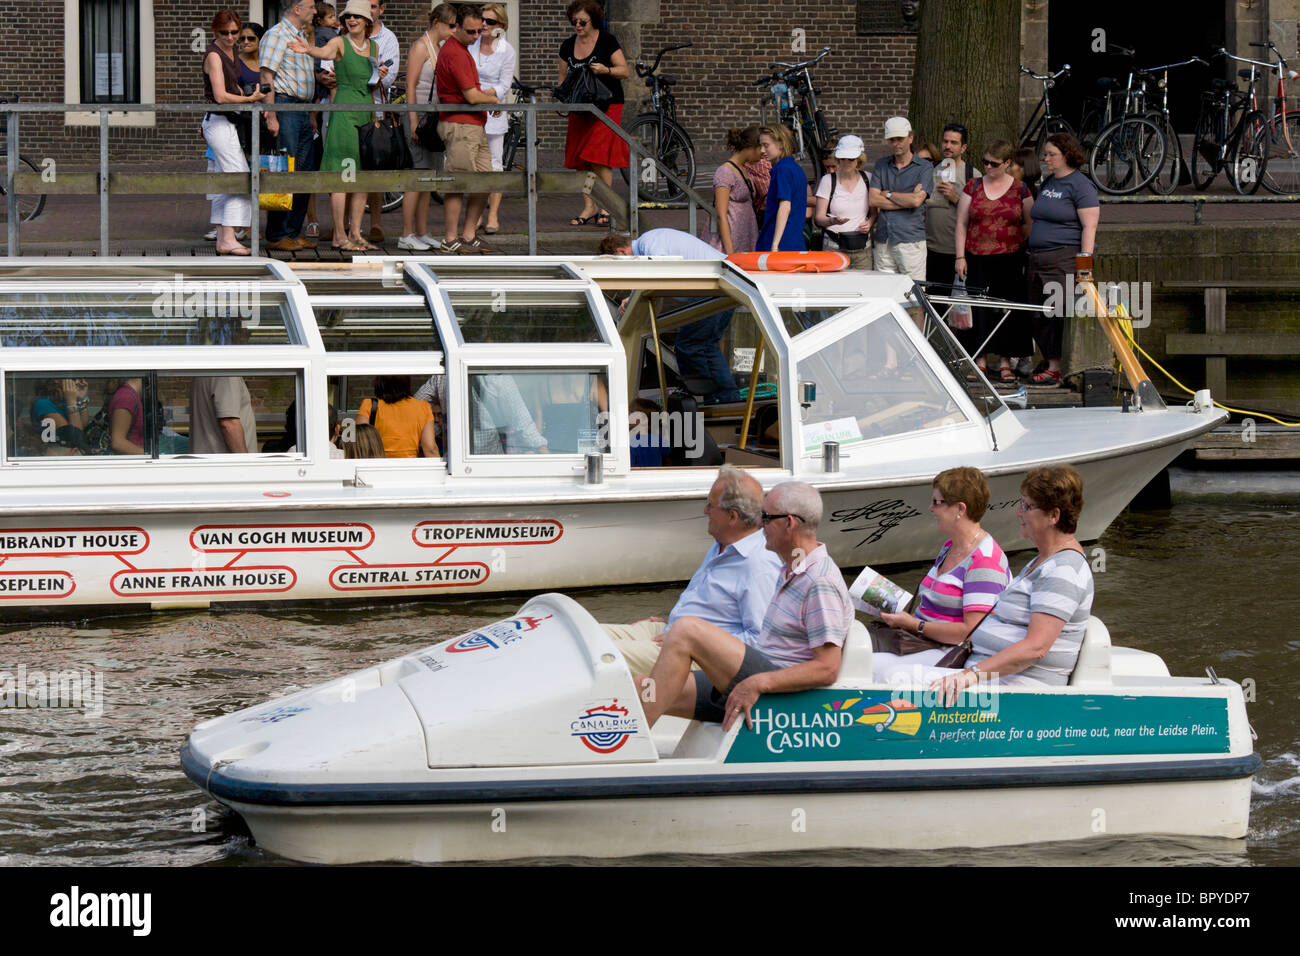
(958, 590)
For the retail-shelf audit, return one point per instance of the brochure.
(873, 592)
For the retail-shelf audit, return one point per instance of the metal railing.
(417, 180)
(1198, 200)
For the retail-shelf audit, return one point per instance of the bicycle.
(1100, 111)
(1170, 173)
(1130, 151)
(1282, 172)
(812, 135)
(661, 137)
(29, 205)
(514, 153)
(1230, 135)
(394, 200)
(1043, 123)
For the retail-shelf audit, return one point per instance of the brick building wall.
(864, 80)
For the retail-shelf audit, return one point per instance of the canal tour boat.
(526, 738)
(533, 486)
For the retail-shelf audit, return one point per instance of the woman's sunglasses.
(488, 21)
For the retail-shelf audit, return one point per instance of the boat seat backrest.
(855, 662)
(1093, 666)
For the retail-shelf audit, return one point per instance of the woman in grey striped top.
(1033, 633)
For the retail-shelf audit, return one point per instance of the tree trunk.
(967, 71)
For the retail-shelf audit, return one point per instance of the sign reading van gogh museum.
(841, 725)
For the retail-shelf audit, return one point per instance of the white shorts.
(907, 258)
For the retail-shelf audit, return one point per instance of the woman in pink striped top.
(965, 579)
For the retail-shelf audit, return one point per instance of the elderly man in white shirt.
(734, 584)
(390, 52)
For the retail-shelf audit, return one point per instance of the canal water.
(1207, 582)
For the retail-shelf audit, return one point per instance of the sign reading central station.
(387, 577)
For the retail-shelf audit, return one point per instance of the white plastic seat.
(855, 662)
(1094, 656)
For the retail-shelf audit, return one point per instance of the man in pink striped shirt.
(800, 642)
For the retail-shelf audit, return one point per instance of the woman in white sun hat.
(843, 203)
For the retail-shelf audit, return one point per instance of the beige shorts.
(467, 148)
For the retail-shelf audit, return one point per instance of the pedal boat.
(526, 738)
(833, 362)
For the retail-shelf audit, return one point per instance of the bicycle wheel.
(1127, 155)
(672, 149)
(1206, 150)
(1283, 172)
(1251, 160)
(512, 157)
(29, 206)
(1171, 170)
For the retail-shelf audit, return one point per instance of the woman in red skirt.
(590, 144)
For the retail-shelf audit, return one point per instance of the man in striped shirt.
(293, 78)
(798, 646)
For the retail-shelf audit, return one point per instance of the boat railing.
(530, 183)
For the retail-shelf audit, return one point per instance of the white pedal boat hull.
(484, 748)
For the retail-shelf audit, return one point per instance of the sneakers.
(431, 242)
(211, 234)
(453, 248)
(477, 246)
(414, 243)
(1049, 378)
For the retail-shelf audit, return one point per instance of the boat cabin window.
(494, 314)
(399, 434)
(547, 412)
(803, 317)
(377, 329)
(142, 413)
(185, 312)
(872, 384)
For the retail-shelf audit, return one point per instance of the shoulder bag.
(426, 133)
(382, 144)
(851, 241)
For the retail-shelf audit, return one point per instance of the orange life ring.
(790, 261)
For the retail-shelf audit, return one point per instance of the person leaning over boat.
(732, 586)
(958, 590)
(1034, 632)
(798, 646)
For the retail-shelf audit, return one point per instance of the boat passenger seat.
(1093, 666)
(855, 664)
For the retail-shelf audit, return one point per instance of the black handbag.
(583, 86)
(383, 144)
(426, 131)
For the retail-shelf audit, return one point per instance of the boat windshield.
(870, 384)
(377, 329)
(186, 312)
(801, 318)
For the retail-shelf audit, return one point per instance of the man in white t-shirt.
(389, 49)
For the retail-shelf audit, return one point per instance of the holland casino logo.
(604, 728)
(497, 635)
(900, 716)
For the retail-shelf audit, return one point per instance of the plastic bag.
(276, 202)
(959, 316)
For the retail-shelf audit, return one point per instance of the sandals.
(602, 219)
(1007, 375)
(583, 220)
(312, 231)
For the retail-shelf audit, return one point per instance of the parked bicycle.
(1130, 151)
(29, 204)
(1170, 173)
(1282, 172)
(1230, 135)
(791, 94)
(661, 136)
(514, 150)
(1043, 123)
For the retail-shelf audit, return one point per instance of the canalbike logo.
(497, 635)
(900, 716)
(604, 728)
(275, 716)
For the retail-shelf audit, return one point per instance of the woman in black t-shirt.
(590, 144)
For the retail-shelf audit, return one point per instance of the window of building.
(109, 57)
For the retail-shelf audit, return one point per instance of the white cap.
(897, 126)
(849, 147)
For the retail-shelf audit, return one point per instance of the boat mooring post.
(830, 457)
(595, 469)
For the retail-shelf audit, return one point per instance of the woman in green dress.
(353, 54)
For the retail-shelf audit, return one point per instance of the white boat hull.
(899, 820)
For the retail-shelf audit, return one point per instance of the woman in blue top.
(787, 195)
(1064, 219)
